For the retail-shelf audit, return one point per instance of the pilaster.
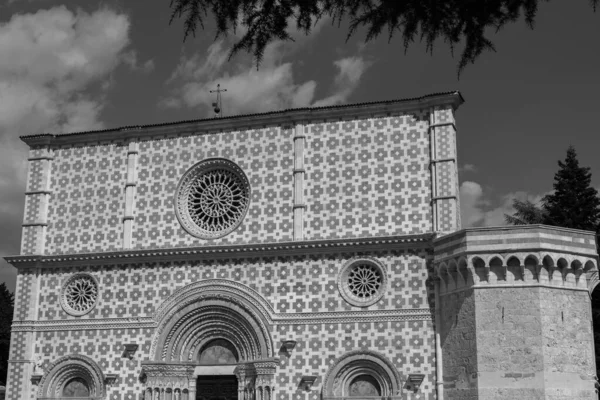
(130, 191)
(22, 344)
(299, 175)
(444, 171)
(37, 197)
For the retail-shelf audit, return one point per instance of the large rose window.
(212, 198)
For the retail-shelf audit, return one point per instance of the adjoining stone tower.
(514, 313)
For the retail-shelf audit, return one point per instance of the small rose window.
(79, 294)
(362, 282)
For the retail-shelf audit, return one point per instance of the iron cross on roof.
(217, 105)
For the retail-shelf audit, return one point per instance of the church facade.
(304, 254)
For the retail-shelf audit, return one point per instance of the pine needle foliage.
(526, 212)
(453, 21)
(574, 202)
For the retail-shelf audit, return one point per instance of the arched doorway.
(76, 387)
(361, 374)
(213, 340)
(73, 376)
(216, 353)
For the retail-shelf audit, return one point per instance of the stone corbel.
(306, 382)
(111, 379)
(287, 346)
(414, 382)
(130, 350)
(36, 378)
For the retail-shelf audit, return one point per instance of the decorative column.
(299, 173)
(265, 378)
(445, 208)
(130, 189)
(21, 361)
(37, 197)
(178, 380)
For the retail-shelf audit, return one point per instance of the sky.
(68, 66)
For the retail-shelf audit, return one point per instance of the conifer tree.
(7, 300)
(574, 202)
(526, 212)
(453, 21)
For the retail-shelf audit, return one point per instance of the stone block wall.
(459, 344)
(518, 298)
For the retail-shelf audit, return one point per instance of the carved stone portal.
(250, 381)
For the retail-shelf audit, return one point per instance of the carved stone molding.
(162, 378)
(256, 380)
(548, 269)
(361, 362)
(284, 249)
(237, 314)
(416, 314)
(65, 368)
(184, 294)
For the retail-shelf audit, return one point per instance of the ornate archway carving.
(361, 362)
(206, 311)
(70, 367)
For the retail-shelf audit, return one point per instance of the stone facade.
(325, 238)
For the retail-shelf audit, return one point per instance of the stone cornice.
(511, 239)
(291, 116)
(232, 251)
(504, 228)
(372, 316)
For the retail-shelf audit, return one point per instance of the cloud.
(131, 59)
(478, 209)
(350, 71)
(271, 87)
(51, 61)
(467, 168)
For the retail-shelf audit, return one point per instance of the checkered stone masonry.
(444, 134)
(104, 346)
(36, 202)
(21, 343)
(368, 177)
(16, 376)
(86, 210)
(292, 285)
(409, 345)
(265, 156)
(23, 298)
(32, 240)
(364, 177)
